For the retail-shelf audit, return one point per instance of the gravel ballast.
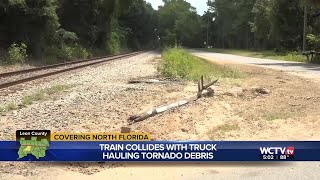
(99, 100)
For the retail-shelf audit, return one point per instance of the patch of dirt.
(266, 105)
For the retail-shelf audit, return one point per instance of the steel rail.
(20, 81)
(7, 74)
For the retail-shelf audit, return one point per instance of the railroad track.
(19, 77)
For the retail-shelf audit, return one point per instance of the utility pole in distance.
(305, 28)
(208, 24)
(208, 32)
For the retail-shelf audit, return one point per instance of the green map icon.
(33, 146)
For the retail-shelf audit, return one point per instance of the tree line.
(264, 24)
(68, 29)
(241, 24)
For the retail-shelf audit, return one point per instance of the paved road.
(302, 69)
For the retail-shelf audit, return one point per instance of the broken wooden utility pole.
(149, 81)
(153, 112)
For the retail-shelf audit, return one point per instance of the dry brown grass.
(221, 130)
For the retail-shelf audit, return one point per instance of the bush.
(66, 53)
(65, 37)
(313, 42)
(114, 43)
(60, 54)
(316, 59)
(79, 52)
(17, 53)
(178, 63)
(118, 38)
(65, 48)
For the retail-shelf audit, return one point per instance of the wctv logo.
(277, 150)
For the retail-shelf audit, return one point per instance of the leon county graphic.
(34, 146)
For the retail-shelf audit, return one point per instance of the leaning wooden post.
(201, 80)
(200, 87)
(210, 84)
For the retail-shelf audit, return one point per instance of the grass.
(8, 107)
(43, 94)
(178, 63)
(57, 88)
(28, 100)
(11, 107)
(270, 116)
(221, 130)
(38, 96)
(2, 110)
(266, 54)
(227, 127)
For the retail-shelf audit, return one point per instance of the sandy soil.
(288, 111)
(264, 105)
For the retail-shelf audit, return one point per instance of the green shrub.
(49, 60)
(66, 53)
(292, 56)
(65, 37)
(61, 54)
(115, 45)
(65, 48)
(17, 53)
(178, 63)
(316, 59)
(313, 42)
(117, 40)
(79, 52)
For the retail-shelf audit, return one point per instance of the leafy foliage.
(17, 53)
(140, 25)
(33, 22)
(314, 41)
(261, 24)
(57, 30)
(85, 18)
(118, 38)
(65, 37)
(91, 20)
(179, 24)
(66, 52)
(179, 63)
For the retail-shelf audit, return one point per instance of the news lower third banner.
(137, 147)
